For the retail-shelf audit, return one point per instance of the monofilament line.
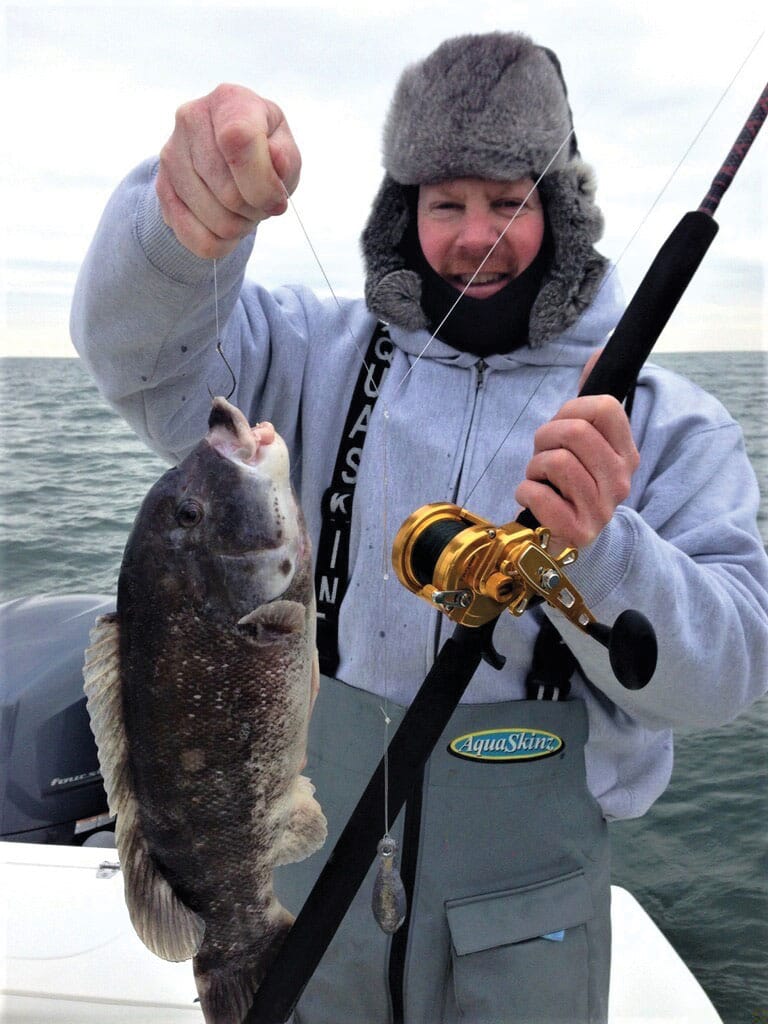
(216, 299)
(385, 485)
(614, 265)
(319, 262)
(683, 158)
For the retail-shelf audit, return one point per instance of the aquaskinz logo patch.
(519, 743)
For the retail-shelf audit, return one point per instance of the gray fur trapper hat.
(491, 106)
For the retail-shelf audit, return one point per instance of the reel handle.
(631, 642)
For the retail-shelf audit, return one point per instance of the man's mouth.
(481, 284)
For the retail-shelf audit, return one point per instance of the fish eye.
(189, 513)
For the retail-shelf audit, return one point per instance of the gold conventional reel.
(472, 570)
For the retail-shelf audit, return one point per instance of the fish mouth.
(260, 453)
(230, 434)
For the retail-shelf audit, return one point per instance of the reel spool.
(473, 570)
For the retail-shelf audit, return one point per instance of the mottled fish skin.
(218, 674)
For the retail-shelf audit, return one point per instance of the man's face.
(460, 220)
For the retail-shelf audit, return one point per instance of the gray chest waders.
(506, 862)
(504, 855)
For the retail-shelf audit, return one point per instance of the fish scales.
(200, 689)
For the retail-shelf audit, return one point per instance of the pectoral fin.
(163, 923)
(278, 620)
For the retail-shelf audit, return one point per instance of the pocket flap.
(500, 918)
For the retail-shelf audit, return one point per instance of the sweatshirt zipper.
(409, 854)
(480, 368)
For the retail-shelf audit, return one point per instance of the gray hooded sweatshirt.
(683, 549)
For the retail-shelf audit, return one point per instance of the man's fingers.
(285, 156)
(557, 514)
(256, 143)
(581, 441)
(223, 168)
(587, 453)
(246, 152)
(608, 418)
(212, 208)
(187, 227)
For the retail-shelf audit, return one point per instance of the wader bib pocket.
(525, 949)
(504, 844)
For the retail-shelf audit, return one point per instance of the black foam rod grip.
(646, 316)
(652, 305)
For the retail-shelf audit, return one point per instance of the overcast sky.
(91, 90)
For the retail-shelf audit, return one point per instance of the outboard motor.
(51, 789)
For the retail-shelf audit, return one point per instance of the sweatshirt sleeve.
(686, 552)
(144, 321)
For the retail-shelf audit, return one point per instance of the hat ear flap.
(576, 270)
(391, 290)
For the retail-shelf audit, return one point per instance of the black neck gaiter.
(483, 327)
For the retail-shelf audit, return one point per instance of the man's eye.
(508, 204)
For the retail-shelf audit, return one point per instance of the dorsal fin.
(163, 923)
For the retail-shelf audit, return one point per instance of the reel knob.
(632, 647)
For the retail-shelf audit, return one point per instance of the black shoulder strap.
(552, 667)
(332, 558)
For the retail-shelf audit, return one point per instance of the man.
(506, 865)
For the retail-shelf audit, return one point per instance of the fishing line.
(685, 155)
(385, 485)
(615, 263)
(328, 283)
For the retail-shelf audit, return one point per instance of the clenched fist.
(228, 165)
(581, 469)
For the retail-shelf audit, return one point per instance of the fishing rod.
(426, 544)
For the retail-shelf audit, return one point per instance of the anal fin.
(306, 828)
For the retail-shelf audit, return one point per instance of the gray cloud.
(96, 87)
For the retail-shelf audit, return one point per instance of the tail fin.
(226, 991)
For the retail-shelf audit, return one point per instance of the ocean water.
(73, 476)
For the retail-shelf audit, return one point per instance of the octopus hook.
(231, 373)
(218, 338)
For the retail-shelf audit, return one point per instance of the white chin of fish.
(272, 569)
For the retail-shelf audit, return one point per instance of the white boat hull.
(70, 956)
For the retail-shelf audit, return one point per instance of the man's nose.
(478, 231)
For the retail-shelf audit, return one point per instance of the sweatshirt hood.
(571, 347)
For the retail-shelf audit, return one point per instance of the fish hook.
(231, 372)
(218, 338)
